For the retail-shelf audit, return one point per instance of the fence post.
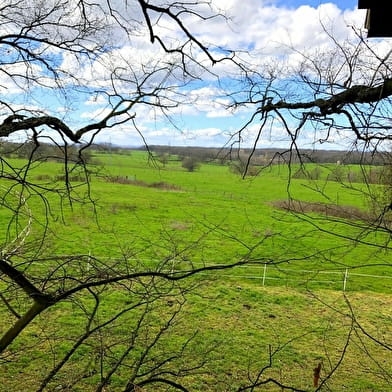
(345, 279)
(264, 273)
(88, 261)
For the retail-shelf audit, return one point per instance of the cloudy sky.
(262, 31)
(267, 28)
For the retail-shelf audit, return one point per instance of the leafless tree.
(80, 321)
(61, 50)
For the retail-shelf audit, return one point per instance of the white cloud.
(268, 32)
(266, 27)
(96, 100)
(96, 115)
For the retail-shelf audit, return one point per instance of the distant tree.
(338, 174)
(163, 158)
(352, 176)
(380, 197)
(315, 173)
(301, 174)
(242, 168)
(191, 164)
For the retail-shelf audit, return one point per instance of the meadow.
(285, 311)
(139, 202)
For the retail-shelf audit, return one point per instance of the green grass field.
(294, 306)
(237, 213)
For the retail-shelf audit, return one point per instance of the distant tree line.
(243, 161)
(45, 152)
(380, 175)
(110, 148)
(263, 156)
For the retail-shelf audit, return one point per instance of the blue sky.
(207, 123)
(342, 4)
(275, 30)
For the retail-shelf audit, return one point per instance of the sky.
(342, 4)
(208, 123)
(273, 31)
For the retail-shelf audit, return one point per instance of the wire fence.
(342, 279)
(269, 274)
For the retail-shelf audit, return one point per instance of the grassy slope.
(134, 217)
(242, 322)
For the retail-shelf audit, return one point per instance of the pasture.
(139, 204)
(285, 310)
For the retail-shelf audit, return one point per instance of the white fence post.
(264, 273)
(345, 279)
(88, 261)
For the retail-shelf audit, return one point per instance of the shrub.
(190, 164)
(302, 173)
(241, 168)
(337, 174)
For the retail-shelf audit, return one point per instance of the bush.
(337, 174)
(163, 158)
(190, 164)
(133, 181)
(334, 210)
(239, 167)
(302, 173)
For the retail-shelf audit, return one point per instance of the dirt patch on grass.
(177, 225)
(304, 207)
(131, 181)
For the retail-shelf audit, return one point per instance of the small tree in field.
(191, 164)
(164, 158)
(242, 168)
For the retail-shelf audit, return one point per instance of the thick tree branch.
(170, 276)
(18, 122)
(16, 276)
(358, 94)
(21, 324)
(41, 302)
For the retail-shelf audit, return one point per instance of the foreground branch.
(358, 94)
(43, 301)
(17, 122)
